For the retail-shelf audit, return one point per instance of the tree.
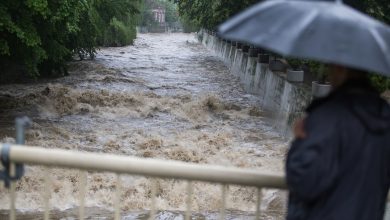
(209, 14)
(38, 36)
(116, 21)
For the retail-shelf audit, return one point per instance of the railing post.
(189, 200)
(259, 197)
(46, 193)
(153, 195)
(117, 197)
(21, 124)
(82, 188)
(223, 202)
(12, 194)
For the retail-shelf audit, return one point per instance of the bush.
(381, 83)
(117, 34)
(188, 25)
(39, 36)
(116, 21)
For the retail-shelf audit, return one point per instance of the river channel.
(166, 97)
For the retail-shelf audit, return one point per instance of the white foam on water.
(166, 97)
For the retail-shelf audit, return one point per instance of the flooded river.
(165, 97)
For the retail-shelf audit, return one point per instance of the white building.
(159, 15)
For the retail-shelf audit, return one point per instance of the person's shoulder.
(327, 105)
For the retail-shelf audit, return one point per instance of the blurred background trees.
(146, 16)
(209, 14)
(379, 9)
(115, 21)
(37, 37)
(147, 19)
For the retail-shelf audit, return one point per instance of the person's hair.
(357, 74)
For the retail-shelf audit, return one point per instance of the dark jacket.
(341, 170)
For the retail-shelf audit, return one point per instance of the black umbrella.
(330, 32)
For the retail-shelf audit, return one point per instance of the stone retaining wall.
(282, 100)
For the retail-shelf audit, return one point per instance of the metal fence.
(20, 154)
(13, 157)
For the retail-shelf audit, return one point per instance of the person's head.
(338, 75)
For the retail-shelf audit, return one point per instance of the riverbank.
(282, 100)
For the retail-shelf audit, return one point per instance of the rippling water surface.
(166, 97)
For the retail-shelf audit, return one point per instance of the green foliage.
(39, 36)
(380, 82)
(379, 9)
(171, 12)
(146, 15)
(318, 69)
(189, 25)
(296, 64)
(209, 14)
(19, 37)
(119, 34)
(115, 21)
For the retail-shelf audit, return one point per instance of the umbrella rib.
(382, 46)
(305, 24)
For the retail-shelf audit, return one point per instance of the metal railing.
(19, 154)
(14, 157)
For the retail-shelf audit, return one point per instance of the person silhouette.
(338, 166)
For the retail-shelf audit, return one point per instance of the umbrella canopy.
(319, 30)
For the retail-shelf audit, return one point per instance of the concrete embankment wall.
(283, 101)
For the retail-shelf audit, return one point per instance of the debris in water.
(195, 113)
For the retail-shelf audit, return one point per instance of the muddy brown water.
(165, 97)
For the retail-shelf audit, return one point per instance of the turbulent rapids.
(166, 97)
